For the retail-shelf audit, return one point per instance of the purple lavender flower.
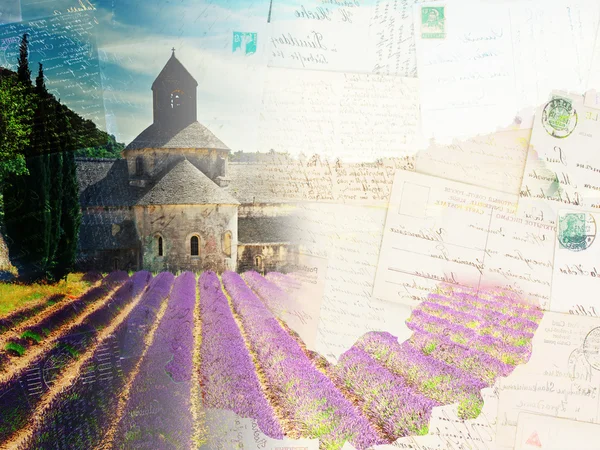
(228, 375)
(310, 399)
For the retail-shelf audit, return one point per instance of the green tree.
(16, 114)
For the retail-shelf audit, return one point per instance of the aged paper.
(495, 69)
(320, 35)
(352, 116)
(576, 263)
(443, 232)
(317, 179)
(561, 378)
(225, 430)
(391, 38)
(349, 236)
(493, 161)
(551, 433)
(562, 165)
(303, 288)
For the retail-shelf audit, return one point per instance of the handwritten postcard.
(536, 431)
(352, 116)
(561, 167)
(349, 237)
(576, 258)
(493, 161)
(441, 232)
(495, 69)
(299, 294)
(391, 38)
(320, 35)
(561, 378)
(283, 179)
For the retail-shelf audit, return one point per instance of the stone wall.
(176, 224)
(266, 209)
(108, 260)
(211, 162)
(265, 258)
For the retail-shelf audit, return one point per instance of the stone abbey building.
(175, 202)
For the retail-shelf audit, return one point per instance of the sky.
(125, 44)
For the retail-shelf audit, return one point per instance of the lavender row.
(23, 391)
(385, 396)
(490, 315)
(274, 297)
(316, 408)
(477, 363)
(12, 320)
(478, 324)
(284, 281)
(158, 411)
(513, 309)
(228, 375)
(431, 377)
(61, 316)
(495, 347)
(80, 415)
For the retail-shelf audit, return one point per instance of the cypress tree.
(23, 72)
(71, 212)
(38, 219)
(55, 168)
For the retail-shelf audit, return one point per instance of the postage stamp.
(433, 22)
(559, 118)
(576, 231)
(591, 348)
(244, 43)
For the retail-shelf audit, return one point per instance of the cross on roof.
(173, 50)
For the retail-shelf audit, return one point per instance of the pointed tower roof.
(186, 185)
(173, 70)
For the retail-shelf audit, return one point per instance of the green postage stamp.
(433, 22)
(576, 231)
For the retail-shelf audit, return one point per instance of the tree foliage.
(39, 139)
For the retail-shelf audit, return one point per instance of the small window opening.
(194, 245)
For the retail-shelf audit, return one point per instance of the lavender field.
(133, 362)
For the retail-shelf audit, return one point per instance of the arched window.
(116, 264)
(160, 246)
(227, 243)
(194, 246)
(258, 261)
(139, 166)
(176, 97)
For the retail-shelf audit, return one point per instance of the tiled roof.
(249, 185)
(173, 67)
(265, 230)
(184, 184)
(105, 183)
(194, 135)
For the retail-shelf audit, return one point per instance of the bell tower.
(174, 97)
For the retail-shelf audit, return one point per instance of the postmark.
(576, 231)
(433, 22)
(591, 348)
(244, 42)
(559, 118)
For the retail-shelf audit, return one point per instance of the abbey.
(175, 202)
